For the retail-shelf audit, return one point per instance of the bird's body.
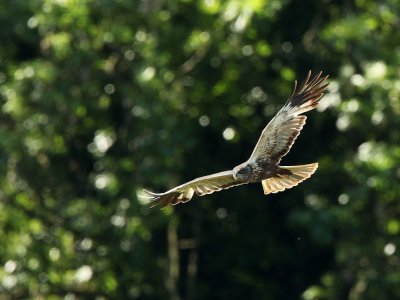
(259, 170)
(263, 165)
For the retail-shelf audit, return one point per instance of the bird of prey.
(263, 165)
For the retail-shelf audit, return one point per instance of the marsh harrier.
(263, 165)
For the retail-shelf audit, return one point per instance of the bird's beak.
(234, 176)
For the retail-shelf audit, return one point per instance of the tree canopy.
(100, 99)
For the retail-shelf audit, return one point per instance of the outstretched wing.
(279, 135)
(199, 186)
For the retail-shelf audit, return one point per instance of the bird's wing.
(199, 186)
(279, 135)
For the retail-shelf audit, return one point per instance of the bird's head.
(242, 172)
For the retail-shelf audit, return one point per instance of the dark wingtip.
(309, 89)
(163, 200)
(156, 202)
(154, 198)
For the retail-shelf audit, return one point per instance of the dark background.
(102, 98)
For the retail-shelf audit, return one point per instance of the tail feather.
(288, 177)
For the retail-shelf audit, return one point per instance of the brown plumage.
(263, 165)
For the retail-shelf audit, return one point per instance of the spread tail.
(288, 177)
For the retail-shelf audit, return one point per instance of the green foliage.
(102, 98)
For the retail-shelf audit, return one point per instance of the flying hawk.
(263, 165)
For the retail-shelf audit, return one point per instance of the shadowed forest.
(100, 99)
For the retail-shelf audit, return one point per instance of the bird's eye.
(242, 171)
